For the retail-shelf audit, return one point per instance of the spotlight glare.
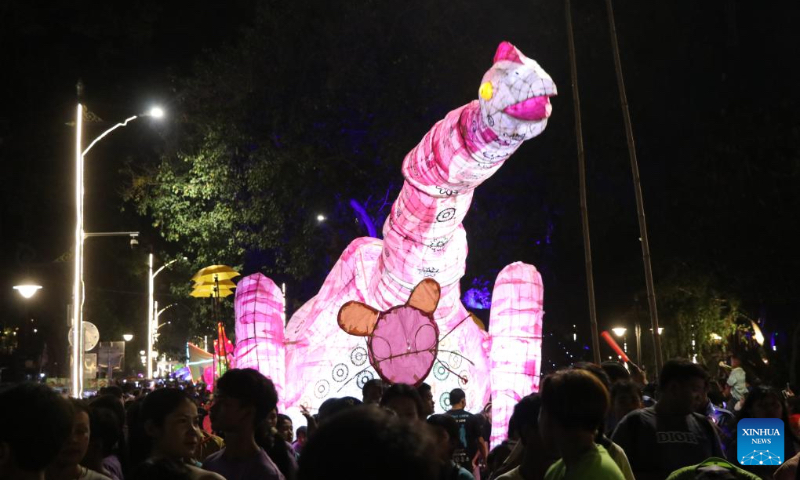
(157, 112)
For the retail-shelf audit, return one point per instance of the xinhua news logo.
(760, 441)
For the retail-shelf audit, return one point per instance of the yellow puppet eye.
(486, 91)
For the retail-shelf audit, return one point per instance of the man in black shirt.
(472, 445)
(661, 439)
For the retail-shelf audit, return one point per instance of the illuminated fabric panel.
(424, 238)
(515, 326)
(259, 329)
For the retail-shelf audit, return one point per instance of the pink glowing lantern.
(515, 326)
(259, 329)
(424, 239)
(403, 341)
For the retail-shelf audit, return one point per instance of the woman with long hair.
(66, 465)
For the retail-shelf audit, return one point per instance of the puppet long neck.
(423, 236)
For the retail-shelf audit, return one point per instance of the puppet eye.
(486, 91)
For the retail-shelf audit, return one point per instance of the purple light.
(362, 214)
(478, 297)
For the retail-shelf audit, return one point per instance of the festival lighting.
(424, 239)
(27, 291)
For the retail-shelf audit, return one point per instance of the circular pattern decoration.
(446, 214)
(463, 378)
(340, 372)
(455, 359)
(440, 372)
(358, 356)
(322, 388)
(444, 401)
(364, 377)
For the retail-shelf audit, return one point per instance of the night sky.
(712, 88)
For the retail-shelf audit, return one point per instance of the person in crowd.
(108, 438)
(737, 383)
(301, 436)
(66, 465)
(163, 424)
(372, 391)
(661, 439)
(625, 398)
(473, 449)
(364, 443)
(404, 400)
(536, 457)
(447, 435)
(242, 400)
(614, 450)
(712, 469)
(114, 391)
(278, 449)
(574, 406)
(616, 371)
(34, 424)
(426, 394)
(508, 455)
(721, 418)
(285, 427)
(764, 402)
(715, 395)
(486, 422)
(106, 432)
(330, 407)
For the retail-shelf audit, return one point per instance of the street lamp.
(151, 308)
(27, 290)
(76, 370)
(620, 332)
(127, 337)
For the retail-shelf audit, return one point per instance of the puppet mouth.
(532, 109)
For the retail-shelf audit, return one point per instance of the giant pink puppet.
(424, 238)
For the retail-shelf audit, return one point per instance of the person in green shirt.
(574, 405)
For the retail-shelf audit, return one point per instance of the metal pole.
(150, 313)
(637, 185)
(638, 344)
(587, 244)
(76, 364)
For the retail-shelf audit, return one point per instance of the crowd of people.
(587, 422)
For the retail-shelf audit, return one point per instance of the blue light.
(478, 297)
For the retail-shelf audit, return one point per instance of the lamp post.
(27, 291)
(620, 332)
(151, 309)
(76, 367)
(126, 337)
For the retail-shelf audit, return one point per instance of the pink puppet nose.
(536, 108)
